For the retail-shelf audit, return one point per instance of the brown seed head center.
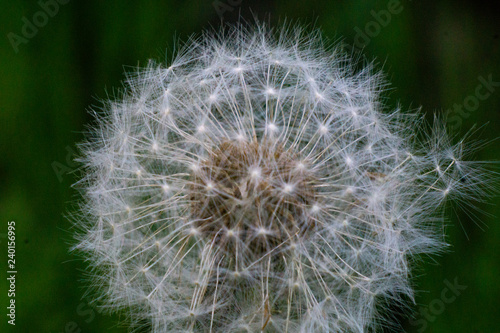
(254, 196)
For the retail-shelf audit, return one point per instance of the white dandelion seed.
(227, 209)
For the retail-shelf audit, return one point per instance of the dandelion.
(258, 184)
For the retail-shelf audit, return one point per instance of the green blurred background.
(433, 52)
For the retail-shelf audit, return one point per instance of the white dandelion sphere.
(257, 184)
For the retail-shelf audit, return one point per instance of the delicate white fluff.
(338, 194)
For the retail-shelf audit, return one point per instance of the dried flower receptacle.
(252, 196)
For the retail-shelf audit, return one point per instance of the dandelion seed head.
(255, 172)
(270, 91)
(201, 128)
(256, 184)
(323, 129)
(272, 127)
